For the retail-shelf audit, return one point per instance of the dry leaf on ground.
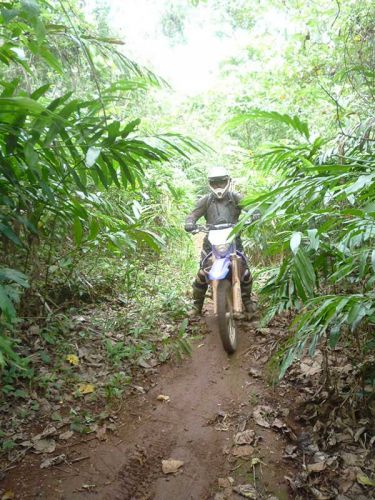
(143, 363)
(52, 461)
(242, 451)
(45, 446)
(245, 437)
(225, 482)
(255, 373)
(101, 433)
(66, 435)
(278, 424)
(170, 466)
(310, 367)
(247, 491)
(48, 431)
(262, 414)
(290, 451)
(317, 467)
(320, 495)
(163, 397)
(139, 388)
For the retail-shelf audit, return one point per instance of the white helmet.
(219, 181)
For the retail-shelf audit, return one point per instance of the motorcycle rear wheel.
(225, 316)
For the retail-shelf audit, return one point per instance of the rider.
(220, 206)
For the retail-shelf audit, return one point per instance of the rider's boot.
(199, 292)
(249, 304)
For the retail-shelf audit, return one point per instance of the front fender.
(219, 269)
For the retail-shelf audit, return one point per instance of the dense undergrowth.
(316, 235)
(321, 216)
(83, 358)
(94, 263)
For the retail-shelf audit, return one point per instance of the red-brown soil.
(212, 396)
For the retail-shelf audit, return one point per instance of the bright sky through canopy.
(190, 64)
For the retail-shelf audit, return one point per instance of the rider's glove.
(190, 227)
(256, 215)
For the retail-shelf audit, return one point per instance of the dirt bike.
(222, 267)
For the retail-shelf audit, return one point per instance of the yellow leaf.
(162, 397)
(86, 388)
(8, 495)
(366, 481)
(72, 359)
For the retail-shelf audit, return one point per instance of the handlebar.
(210, 227)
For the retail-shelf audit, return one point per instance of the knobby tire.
(225, 307)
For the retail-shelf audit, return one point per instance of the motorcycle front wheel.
(225, 316)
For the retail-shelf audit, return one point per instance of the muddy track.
(202, 390)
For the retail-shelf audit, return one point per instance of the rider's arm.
(199, 210)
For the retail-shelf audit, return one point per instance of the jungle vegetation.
(100, 162)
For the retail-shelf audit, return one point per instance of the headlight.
(222, 249)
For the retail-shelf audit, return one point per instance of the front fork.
(236, 285)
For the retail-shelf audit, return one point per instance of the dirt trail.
(208, 388)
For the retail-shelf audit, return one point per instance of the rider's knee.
(247, 279)
(200, 279)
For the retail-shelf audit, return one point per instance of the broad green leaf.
(104, 178)
(94, 229)
(31, 156)
(10, 234)
(334, 336)
(17, 104)
(257, 114)
(13, 275)
(360, 183)
(51, 60)
(6, 304)
(137, 209)
(77, 230)
(30, 7)
(9, 14)
(40, 91)
(113, 129)
(130, 127)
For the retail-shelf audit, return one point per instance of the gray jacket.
(225, 210)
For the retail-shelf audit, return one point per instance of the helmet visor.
(218, 183)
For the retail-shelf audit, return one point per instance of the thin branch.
(337, 14)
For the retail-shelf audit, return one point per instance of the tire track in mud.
(143, 468)
(128, 465)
